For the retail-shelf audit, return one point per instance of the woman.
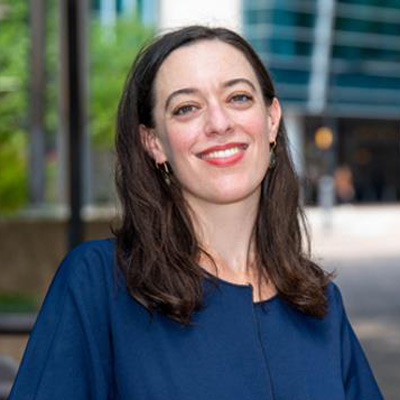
(216, 299)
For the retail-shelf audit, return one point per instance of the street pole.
(37, 163)
(73, 107)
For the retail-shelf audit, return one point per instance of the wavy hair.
(157, 249)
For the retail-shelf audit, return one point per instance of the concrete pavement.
(362, 243)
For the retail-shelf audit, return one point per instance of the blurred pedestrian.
(344, 184)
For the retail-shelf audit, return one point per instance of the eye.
(240, 98)
(183, 110)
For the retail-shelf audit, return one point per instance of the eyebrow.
(233, 82)
(189, 90)
(177, 93)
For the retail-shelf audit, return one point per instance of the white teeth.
(222, 153)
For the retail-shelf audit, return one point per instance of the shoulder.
(95, 250)
(334, 294)
(336, 309)
(83, 283)
(91, 256)
(71, 337)
(88, 266)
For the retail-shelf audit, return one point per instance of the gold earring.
(164, 170)
(272, 155)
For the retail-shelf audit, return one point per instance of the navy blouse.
(93, 341)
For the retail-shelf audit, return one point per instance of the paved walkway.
(363, 244)
(356, 232)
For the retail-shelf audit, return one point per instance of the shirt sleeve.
(68, 353)
(359, 381)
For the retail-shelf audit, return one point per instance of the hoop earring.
(164, 170)
(272, 155)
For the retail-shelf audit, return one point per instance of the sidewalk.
(355, 232)
(363, 246)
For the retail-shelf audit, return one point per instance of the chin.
(233, 195)
(230, 190)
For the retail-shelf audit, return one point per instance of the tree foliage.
(112, 50)
(14, 37)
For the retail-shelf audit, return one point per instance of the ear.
(275, 114)
(152, 144)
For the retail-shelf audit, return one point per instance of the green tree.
(14, 41)
(111, 55)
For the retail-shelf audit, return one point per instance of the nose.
(218, 121)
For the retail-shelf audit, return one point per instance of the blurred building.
(336, 65)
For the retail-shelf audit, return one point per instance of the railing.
(16, 324)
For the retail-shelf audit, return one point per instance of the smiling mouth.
(223, 153)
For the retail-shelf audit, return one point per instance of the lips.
(224, 155)
(222, 151)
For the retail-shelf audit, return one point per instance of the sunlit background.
(336, 65)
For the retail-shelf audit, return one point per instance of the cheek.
(178, 142)
(256, 126)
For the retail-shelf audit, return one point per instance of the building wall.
(336, 63)
(32, 248)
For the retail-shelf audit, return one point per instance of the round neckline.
(247, 286)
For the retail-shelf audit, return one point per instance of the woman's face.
(211, 123)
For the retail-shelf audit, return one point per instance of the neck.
(226, 232)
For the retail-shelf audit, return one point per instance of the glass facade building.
(337, 63)
(350, 46)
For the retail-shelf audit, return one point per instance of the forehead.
(208, 62)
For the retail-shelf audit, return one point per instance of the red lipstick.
(224, 155)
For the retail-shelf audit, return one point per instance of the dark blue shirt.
(93, 341)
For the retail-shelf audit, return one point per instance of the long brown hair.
(157, 249)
